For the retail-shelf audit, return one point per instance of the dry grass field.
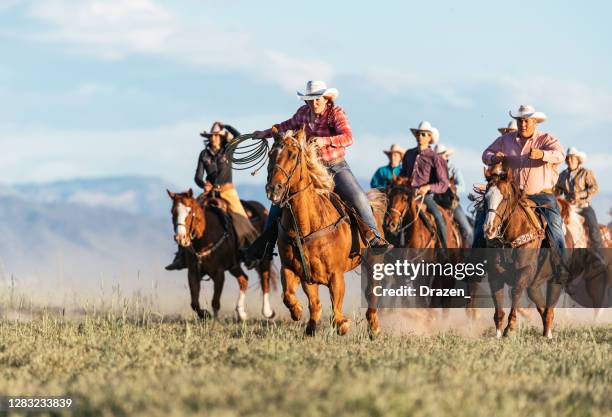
(148, 365)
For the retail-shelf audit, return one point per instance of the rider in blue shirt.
(383, 176)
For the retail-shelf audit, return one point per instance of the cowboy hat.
(512, 127)
(316, 89)
(442, 149)
(527, 111)
(216, 129)
(571, 151)
(427, 127)
(395, 148)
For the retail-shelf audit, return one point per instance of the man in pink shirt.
(534, 157)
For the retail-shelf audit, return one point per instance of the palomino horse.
(405, 218)
(510, 221)
(206, 235)
(310, 220)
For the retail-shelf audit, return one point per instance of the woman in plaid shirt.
(327, 125)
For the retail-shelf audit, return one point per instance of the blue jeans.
(591, 221)
(464, 224)
(552, 215)
(433, 208)
(349, 190)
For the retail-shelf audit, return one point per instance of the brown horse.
(405, 217)
(511, 221)
(205, 233)
(302, 186)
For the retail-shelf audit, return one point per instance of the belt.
(333, 162)
(224, 187)
(544, 191)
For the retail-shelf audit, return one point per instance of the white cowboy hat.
(571, 151)
(395, 148)
(316, 89)
(442, 149)
(527, 111)
(427, 127)
(512, 127)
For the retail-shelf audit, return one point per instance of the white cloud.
(397, 82)
(567, 97)
(115, 29)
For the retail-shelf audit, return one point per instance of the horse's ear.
(171, 194)
(301, 135)
(276, 134)
(190, 193)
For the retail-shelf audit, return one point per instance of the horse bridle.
(191, 232)
(402, 214)
(287, 196)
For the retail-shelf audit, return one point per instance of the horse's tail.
(378, 201)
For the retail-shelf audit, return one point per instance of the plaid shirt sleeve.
(344, 138)
(294, 123)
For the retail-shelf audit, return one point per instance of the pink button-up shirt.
(532, 176)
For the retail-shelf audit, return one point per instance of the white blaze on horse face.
(494, 198)
(182, 211)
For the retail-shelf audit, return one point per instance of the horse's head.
(285, 159)
(500, 194)
(399, 203)
(187, 217)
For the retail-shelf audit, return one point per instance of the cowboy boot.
(178, 263)
(379, 246)
(262, 248)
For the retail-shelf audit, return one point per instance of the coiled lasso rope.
(245, 155)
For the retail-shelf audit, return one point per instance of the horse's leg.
(553, 292)
(243, 283)
(218, 281)
(517, 291)
(336, 291)
(290, 283)
(194, 289)
(470, 310)
(314, 305)
(496, 286)
(264, 278)
(372, 312)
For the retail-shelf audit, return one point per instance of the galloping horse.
(511, 221)
(310, 220)
(405, 216)
(205, 233)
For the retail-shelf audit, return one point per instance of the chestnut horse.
(206, 235)
(511, 221)
(302, 186)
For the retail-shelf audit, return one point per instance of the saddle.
(360, 231)
(537, 220)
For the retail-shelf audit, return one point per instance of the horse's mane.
(322, 181)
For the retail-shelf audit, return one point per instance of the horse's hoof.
(374, 333)
(498, 333)
(296, 312)
(508, 332)
(311, 328)
(204, 315)
(548, 334)
(269, 316)
(215, 314)
(343, 327)
(241, 315)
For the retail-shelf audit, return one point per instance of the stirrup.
(379, 246)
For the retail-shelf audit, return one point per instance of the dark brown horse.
(302, 186)
(405, 217)
(204, 231)
(511, 223)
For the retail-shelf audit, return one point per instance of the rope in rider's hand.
(246, 155)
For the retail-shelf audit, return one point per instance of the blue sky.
(91, 88)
